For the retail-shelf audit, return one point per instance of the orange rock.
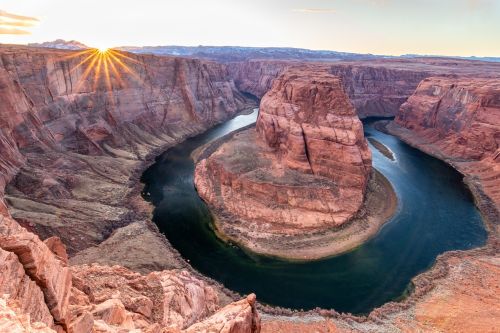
(309, 120)
(305, 170)
(14, 320)
(57, 247)
(171, 298)
(17, 286)
(460, 116)
(84, 323)
(65, 116)
(237, 317)
(53, 278)
(375, 87)
(457, 119)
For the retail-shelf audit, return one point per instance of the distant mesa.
(243, 53)
(61, 44)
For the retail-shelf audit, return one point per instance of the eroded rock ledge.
(304, 170)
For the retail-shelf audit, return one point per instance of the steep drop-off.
(302, 172)
(74, 128)
(100, 115)
(457, 120)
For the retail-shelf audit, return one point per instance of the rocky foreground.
(284, 187)
(76, 129)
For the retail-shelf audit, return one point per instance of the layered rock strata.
(101, 115)
(40, 293)
(74, 128)
(376, 87)
(457, 120)
(95, 172)
(304, 170)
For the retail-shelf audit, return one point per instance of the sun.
(104, 65)
(103, 49)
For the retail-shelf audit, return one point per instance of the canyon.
(75, 127)
(303, 171)
(79, 251)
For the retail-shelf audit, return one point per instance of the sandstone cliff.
(70, 141)
(100, 115)
(74, 127)
(39, 292)
(311, 123)
(376, 88)
(303, 170)
(457, 120)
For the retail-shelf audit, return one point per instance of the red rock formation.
(376, 87)
(64, 113)
(51, 126)
(14, 320)
(61, 114)
(240, 316)
(378, 91)
(35, 283)
(305, 170)
(256, 76)
(457, 120)
(311, 123)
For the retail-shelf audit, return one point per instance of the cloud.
(4, 14)
(315, 10)
(11, 31)
(16, 23)
(9, 23)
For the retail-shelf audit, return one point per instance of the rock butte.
(54, 121)
(303, 170)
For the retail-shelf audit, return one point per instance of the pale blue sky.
(451, 27)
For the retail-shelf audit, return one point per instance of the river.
(435, 214)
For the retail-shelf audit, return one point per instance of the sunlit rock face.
(457, 119)
(100, 113)
(462, 116)
(73, 128)
(40, 293)
(308, 119)
(304, 168)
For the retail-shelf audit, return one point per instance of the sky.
(390, 27)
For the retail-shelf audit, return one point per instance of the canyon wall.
(374, 91)
(99, 115)
(74, 129)
(72, 139)
(40, 293)
(458, 120)
(376, 87)
(310, 122)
